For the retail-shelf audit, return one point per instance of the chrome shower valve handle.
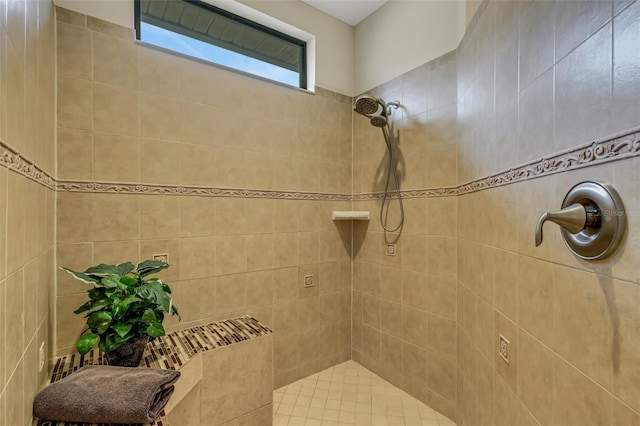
(592, 220)
(574, 219)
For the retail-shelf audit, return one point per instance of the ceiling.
(349, 11)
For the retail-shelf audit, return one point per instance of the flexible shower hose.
(386, 131)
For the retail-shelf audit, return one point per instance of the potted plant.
(125, 308)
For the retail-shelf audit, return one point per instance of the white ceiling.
(349, 11)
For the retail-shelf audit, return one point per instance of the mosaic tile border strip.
(168, 352)
(13, 160)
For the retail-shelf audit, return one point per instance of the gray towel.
(106, 394)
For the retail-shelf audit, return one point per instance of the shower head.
(379, 120)
(367, 105)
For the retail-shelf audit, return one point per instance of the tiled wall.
(573, 325)
(404, 306)
(27, 145)
(534, 79)
(128, 113)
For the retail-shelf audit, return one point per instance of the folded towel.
(107, 394)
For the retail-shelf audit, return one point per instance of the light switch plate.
(161, 257)
(504, 349)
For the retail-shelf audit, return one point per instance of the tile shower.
(140, 160)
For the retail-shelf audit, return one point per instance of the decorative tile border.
(612, 148)
(12, 160)
(135, 188)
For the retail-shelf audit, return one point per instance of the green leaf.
(110, 281)
(129, 300)
(122, 329)
(84, 307)
(124, 268)
(154, 293)
(155, 329)
(150, 267)
(86, 342)
(99, 321)
(102, 270)
(149, 317)
(128, 281)
(100, 304)
(80, 276)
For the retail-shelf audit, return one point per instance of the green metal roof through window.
(223, 29)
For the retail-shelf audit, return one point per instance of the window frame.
(306, 42)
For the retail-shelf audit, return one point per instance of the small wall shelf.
(351, 215)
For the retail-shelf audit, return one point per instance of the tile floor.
(349, 394)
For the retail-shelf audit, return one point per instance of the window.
(209, 33)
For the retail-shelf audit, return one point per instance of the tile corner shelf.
(351, 215)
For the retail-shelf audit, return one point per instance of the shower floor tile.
(349, 394)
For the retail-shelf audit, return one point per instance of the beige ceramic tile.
(115, 110)
(15, 398)
(75, 103)
(441, 376)
(308, 313)
(285, 284)
(115, 252)
(195, 298)
(260, 288)
(74, 51)
(485, 332)
(260, 216)
(197, 216)
(195, 165)
(535, 379)
(587, 345)
(74, 215)
(414, 289)
(115, 61)
(75, 154)
(414, 253)
(159, 117)
(115, 217)
(159, 72)
(198, 257)
(224, 394)
(159, 217)
(623, 415)
(625, 343)
(231, 293)
(441, 336)
(259, 252)
(116, 158)
(414, 326)
(442, 297)
(231, 254)
(535, 293)
(442, 256)
(576, 399)
(506, 284)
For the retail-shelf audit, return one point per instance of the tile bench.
(226, 373)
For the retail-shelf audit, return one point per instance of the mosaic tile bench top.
(168, 352)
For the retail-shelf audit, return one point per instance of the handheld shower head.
(379, 120)
(367, 105)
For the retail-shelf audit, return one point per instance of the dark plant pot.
(129, 354)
